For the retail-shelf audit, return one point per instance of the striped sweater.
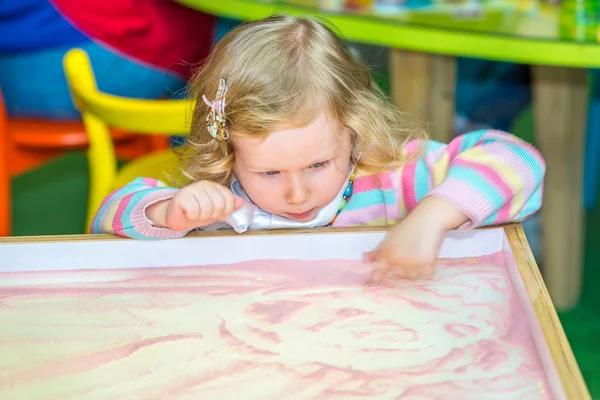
(490, 176)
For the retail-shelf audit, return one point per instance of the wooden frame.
(561, 351)
(515, 243)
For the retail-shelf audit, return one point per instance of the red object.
(161, 33)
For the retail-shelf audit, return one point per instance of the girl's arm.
(490, 176)
(481, 178)
(123, 212)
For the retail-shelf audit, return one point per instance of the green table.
(559, 41)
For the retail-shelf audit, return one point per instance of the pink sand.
(267, 329)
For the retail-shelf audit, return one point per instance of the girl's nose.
(297, 192)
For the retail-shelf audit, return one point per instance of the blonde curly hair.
(281, 72)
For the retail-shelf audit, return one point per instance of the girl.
(298, 135)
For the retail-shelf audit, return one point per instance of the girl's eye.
(269, 173)
(314, 166)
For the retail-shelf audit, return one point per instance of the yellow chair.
(100, 111)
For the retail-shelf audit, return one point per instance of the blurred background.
(478, 60)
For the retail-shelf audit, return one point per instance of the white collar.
(252, 217)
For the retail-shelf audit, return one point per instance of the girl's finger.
(219, 202)
(379, 272)
(398, 273)
(368, 257)
(189, 207)
(206, 205)
(412, 273)
(373, 255)
(229, 201)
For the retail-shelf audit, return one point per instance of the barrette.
(216, 120)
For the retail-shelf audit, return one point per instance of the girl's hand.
(194, 206)
(410, 249)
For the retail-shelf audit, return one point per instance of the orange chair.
(26, 144)
(5, 193)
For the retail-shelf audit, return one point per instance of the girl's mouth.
(302, 217)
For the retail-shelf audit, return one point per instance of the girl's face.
(295, 172)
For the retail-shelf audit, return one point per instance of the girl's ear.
(356, 150)
(356, 154)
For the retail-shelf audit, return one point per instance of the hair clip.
(216, 120)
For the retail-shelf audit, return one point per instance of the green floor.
(51, 200)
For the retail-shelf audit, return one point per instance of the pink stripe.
(365, 183)
(453, 148)
(393, 210)
(490, 174)
(434, 157)
(523, 168)
(503, 214)
(494, 177)
(151, 182)
(360, 216)
(117, 224)
(385, 181)
(140, 222)
(413, 146)
(500, 138)
(408, 186)
(104, 217)
(108, 198)
(469, 201)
